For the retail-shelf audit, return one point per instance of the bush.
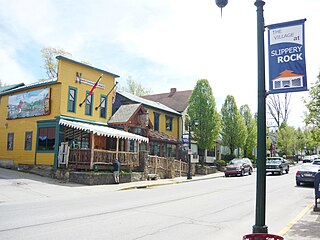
(221, 163)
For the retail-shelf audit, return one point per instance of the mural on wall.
(29, 104)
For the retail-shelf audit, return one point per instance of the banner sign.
(287, 63)
(29, 104)
(185, 139)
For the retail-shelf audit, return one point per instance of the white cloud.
(163, 44)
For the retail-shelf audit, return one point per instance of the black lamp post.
(190, 124)
(259, 226)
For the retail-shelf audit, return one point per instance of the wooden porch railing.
(81, 158)
(156, 164)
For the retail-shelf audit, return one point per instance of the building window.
(10, 141)
(46, 138)
(154, 149)
(89, 103)
(169, 123)
(156, 121)
(72, 99)
(103, 106)
(28, 141)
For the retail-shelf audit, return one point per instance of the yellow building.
(36, 118)
(164, 135)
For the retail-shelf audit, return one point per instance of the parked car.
(316, 162)
(306, 173)
(277, 165)
(307, 159)
(239, 166)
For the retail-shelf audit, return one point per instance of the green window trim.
(45, 124)
(156, 122)
(10, 141)
(89, 104)
(72, 105)
(28, 141)
(169, 121)
(103, 106)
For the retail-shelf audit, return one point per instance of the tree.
(301, 140)
(278, 108)
(50, 63)
(286, 139)
(2, 84)
(202, 107)
(251, 126)
(312, 117)
(234, 132)
(135, 88)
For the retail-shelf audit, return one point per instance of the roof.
(146, 102)
(175, 100)
(9, 87)
(287, 73)
(30, 86)
(162, 136)
(102, 130)
(124, 113)
(85, 65)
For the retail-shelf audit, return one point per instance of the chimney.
(172, 92)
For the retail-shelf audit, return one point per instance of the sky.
(160, 44)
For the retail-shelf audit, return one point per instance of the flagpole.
(96, 108)
(92, 89)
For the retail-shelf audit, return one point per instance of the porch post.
(117, 149)
(138, 145)
(92, 151)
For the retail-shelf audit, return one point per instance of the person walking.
(116, 171)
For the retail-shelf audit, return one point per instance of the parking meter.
(316, 191)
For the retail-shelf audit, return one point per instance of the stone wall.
(96, 178)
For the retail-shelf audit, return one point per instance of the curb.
(287, 228)
(167, 183)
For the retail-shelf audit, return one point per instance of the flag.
(95, 85)
(114, 95)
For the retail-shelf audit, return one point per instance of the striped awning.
(103, 130)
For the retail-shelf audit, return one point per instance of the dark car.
(277, 165)
(306, 173)
(239, 166)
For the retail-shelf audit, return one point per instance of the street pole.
(189, 175)
(260, 226)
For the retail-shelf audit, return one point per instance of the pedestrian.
(116, 171)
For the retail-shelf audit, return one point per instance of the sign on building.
(287, 63)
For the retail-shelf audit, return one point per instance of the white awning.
(103, 130)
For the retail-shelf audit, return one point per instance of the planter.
(206, 170)
(92, 178)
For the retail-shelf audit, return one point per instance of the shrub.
(221, 163)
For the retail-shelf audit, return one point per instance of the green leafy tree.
(135, 88)
(251, 126)
(286, 139)
(1, 83)
(312, 116)
(202, 107)
(301, 140)
(234, 131)
(50, 62)
(310, 142)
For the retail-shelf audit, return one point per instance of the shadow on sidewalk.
(306, 228)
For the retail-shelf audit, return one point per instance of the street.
(217, 208)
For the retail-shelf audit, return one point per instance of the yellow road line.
(295, 220)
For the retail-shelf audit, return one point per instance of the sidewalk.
(306, 226)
